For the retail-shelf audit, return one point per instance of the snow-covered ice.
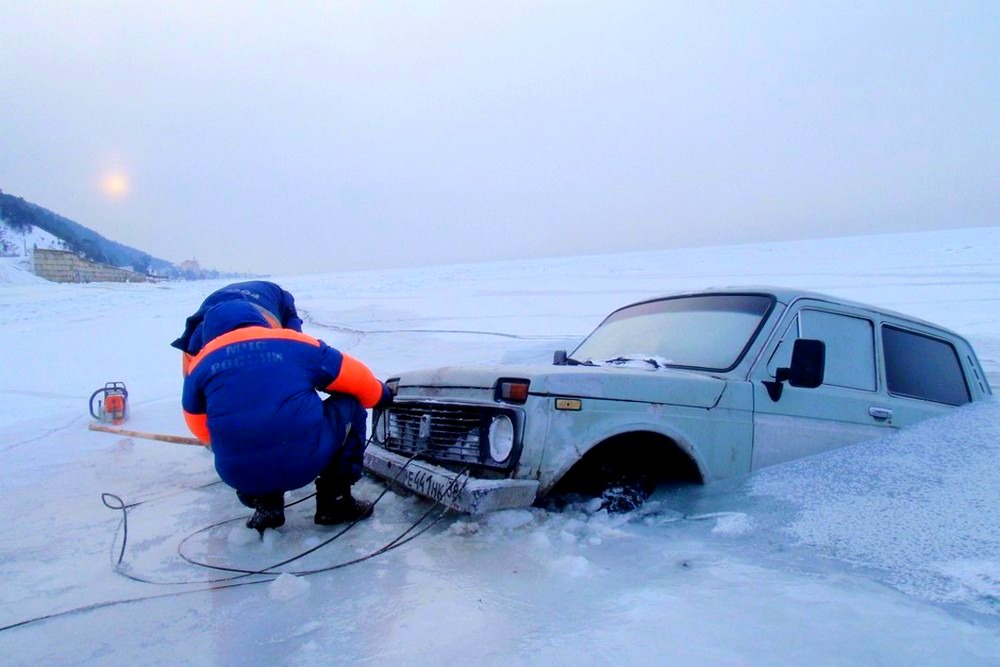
(887, 552)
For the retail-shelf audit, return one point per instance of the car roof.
(787, 295)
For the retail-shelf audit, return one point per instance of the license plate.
(435, 486)
(460, 492)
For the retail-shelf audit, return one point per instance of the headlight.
(380, 429)
(501, 438)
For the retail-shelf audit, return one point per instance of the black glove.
(387, 398)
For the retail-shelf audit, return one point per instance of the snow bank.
(15, 249)
(922, 505)
(15, 271)
(19, 242)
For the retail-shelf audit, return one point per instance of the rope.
(267, 573)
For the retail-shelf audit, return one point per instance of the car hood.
(667, 386)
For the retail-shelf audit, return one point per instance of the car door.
(845, 409)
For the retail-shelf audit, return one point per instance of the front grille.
(442, 432)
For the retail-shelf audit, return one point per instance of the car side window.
(918, 366)
(850, 347)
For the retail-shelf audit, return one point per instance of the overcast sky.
(304, 137)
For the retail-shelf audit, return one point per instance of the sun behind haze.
(115, 185)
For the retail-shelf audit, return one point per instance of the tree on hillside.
(89, 249)
(7, 246)
(142, 263)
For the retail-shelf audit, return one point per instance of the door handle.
(881, 414)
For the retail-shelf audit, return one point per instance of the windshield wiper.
(570, 361)
(625, 360)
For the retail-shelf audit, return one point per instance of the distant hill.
(22, 216)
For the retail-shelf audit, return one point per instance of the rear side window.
(918, 366)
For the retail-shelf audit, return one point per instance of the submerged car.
(693, 387)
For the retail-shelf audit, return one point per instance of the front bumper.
(467, 494)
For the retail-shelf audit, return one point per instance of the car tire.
(622, 486)
(626, 496)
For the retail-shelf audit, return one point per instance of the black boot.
(269, 513)
(335, 504)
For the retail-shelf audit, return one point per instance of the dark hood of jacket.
(229, 316)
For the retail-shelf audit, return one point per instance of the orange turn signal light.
(512, 391)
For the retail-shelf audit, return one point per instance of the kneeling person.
(251, 394)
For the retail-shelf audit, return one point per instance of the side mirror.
(808, 363)
(559, 358)
(807, 368)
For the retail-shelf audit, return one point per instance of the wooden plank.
(177, 439)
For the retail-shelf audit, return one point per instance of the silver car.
(692, 387)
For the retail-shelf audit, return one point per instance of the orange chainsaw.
(110, 403)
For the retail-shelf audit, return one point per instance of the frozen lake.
(887, 552)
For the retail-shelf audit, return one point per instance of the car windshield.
(709, 331)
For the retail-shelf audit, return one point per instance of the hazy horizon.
(308, 138)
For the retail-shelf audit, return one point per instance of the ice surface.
(882, 553)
